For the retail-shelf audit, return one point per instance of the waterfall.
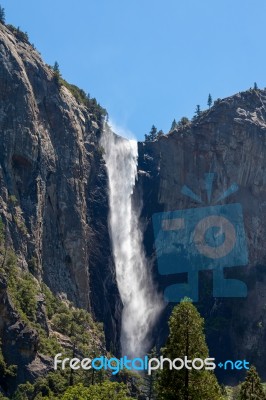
(141, 303)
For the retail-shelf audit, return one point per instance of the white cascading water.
(141, 303)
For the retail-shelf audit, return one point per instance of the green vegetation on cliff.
(91, 104)
(106, 390)
(60, 327)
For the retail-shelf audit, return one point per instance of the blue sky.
(149, 61)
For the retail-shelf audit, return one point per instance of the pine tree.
(209, 100)
(2, 15)
(174, 125)
(153, 132)
(152, 135)
(198, 110)
(252, 388)
(57, 73)
(183, 121)
(186, 338)
(255, 86)
(56, 67)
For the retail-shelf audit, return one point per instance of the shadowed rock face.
(53, 184)
(230, 141)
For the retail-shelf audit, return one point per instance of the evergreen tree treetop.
(153, 132)
(186, 336)
(57, 74)
(2, 15)
(152, 135)
(183, 121)
(186, 339)
(174, 125)
(252, 387)
(56, 67)
(209, 100)
(198, 110)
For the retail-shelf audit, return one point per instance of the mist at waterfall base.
(141, 303)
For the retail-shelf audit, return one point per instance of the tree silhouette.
(209, 100)
(174, 125)
(56, 67)
(2, 15)
(152, 135)
(183, 121)
(57, 74)
(198, 110)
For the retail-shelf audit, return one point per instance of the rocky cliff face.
(53, 185)
(228, 140)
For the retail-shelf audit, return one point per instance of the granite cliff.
(228, 140)
(53, 193)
